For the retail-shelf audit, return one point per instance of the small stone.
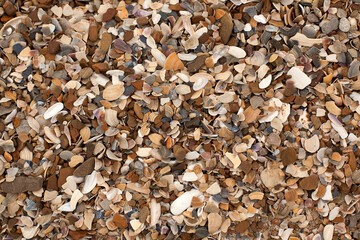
(52, 183)
(105, 42)
(53, 46)
(120, 221)
(344, 25)
(226, 27)
(288, 156)
(22, 184)
(195, 65)
(180, 153)
(336, 156)
(9, 8)
(109, 14)
(202, 232)
(241, 227)
(309, 183)
(85, 168)
(63, 174)
(142, 21)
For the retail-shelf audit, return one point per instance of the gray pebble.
(344, 25)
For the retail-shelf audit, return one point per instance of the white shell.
(183, 202)
(237, 52)
(301, 80)
(90, 183)
(53, 110)
(265, 82)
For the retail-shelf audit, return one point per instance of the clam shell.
(85, 133)
(51, 135)
(237, 52)
(111, 117)
(159, 56)
(33, 124)
(265, 82)
(53, 110)
(113, 92)
(173, 62)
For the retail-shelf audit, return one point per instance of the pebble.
(109, 14)
(344, 25)
(53, 47)
(9, 8)
(226, 28)
(288, 156)
(22, 184)
(85, 168)
(309, 183)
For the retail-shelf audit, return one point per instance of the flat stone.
(226, 28)
(85, 168)
(63, 174)
(309, 183)
(288, 156)
(52, 183)
(109, 14)
(241, 227)
(120, 221)
(53, 46)
(9, 8)
(22, 184)
(195, 65)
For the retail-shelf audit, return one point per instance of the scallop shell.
(113, 92)
(173, 62)
(53, 110)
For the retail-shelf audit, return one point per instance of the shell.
(301, 80)
(113, 92)
(265, 82)
(159, 56)
(173, 62)
(33, 123)
(53, 110)
(111, 117)
(51, 135)
(237, 52)
(85, 133)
